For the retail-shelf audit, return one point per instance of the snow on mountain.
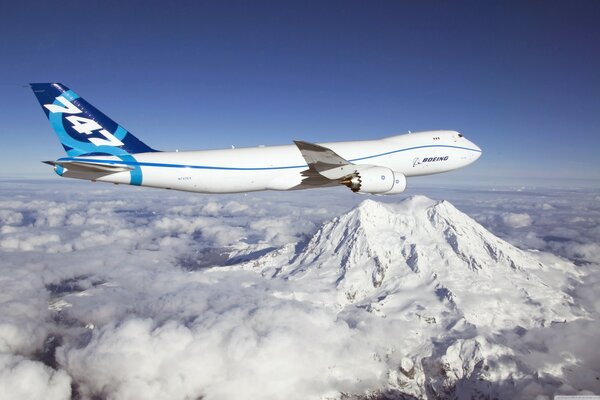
(456, 290)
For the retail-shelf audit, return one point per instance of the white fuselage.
(280, 167)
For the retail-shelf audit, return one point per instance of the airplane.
(99, 149)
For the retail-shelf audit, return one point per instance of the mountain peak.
(413, 202)
(451, 287)
(414, 205)
(377, 251)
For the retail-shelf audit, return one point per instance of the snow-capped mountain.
(456, 289)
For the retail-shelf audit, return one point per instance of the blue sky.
(520, 79)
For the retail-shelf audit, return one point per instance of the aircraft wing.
(88, 166)
(324, 161)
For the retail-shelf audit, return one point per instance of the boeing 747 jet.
(99, 149)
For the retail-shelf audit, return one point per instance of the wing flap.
(324, 161)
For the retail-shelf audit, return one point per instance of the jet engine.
(375, 180)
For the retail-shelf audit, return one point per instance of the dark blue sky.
(520, 79)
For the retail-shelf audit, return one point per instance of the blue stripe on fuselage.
(153, 164)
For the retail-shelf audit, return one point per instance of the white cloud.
(22, 379)
(515, 220)
(211, 208)
(245, 351)
(163, 331)
(26, 242)
(10, 217)
(547, 206)
(587, 251)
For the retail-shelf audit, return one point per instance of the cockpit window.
(460, 135)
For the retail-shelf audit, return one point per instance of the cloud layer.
(108, 292)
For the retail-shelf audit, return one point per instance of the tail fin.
(81, 127)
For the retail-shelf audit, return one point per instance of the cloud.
(26, 242)
(253, 350)
(547, 206)
(514, 220)
(132, 322)
(586, 251)
(22, 379)
(9, 217)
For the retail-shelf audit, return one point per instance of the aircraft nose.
(477, 153)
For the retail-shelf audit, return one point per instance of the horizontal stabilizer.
(95, 167)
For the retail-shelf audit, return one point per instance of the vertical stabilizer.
(82, 128)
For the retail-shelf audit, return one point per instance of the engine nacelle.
(375, 180)
(399, 183)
